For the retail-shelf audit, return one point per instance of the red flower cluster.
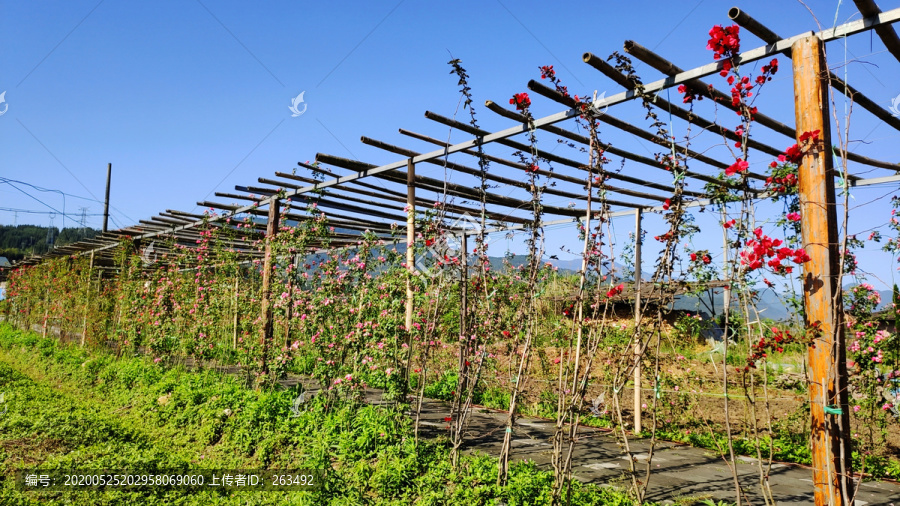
(737, 167)
(794, 154)
(742, 89)
(615, 291)
(665, 237)
(534, 168)
(781, 184)
(521, 101)
(689, 95)
(791, 155)
(764, 247)
(767, 72)
(813, 137)
(724, 42)
(668, 161)
(547, 71)
(705, 258)
(666, 204)
(775, 342)
(729, 223)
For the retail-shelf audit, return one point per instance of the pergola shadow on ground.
(679, 471)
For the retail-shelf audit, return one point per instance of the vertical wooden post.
(46, 315)
(289, 310)
(463, 298)
(822, 295)
(410, 239)
(726, 262)
(87, 300)
(637, 319)
(234, 334)
(266, 296)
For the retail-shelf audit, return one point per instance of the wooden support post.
(87, 300)
(234, 334)
(289, 310)
(46, 315)
(410, 240)
(463, 298)
(726, 262)
(821, 293)
(266, 296)
(637, 320)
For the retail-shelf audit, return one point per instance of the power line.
(40, 201)
(9, 181)
(57, 159)
(31, 211)
(6, 180)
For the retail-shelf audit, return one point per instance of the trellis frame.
(347, 194)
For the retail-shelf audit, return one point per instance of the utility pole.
(106, 201)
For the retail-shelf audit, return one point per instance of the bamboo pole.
(46, 315)
(289, 310)
(462, 381)
(234, 334)
(266, 296)
(410, 255)
(886, 33)
(726, 262)
(822, 296)
(609, 148)
(769, 37)
(410, 239)
(463, 294)
(87, 300)
(543, 154)
(637, 320)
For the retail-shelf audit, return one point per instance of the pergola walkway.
(679, 471)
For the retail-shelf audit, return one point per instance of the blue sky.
(185, 98)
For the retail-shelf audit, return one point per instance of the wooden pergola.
(356, 196)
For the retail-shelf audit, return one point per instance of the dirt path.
(679, 471)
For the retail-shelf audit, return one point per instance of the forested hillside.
(17, 242)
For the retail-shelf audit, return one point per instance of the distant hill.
(17, 242)
(572, 266)
(769, 304)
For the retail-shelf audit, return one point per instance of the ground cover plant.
(70, 409)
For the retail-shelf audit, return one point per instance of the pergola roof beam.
(772, 39)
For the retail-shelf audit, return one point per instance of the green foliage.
(16, 242)
(688, 328)
(493, 397)
(130, 413)
(443, 388)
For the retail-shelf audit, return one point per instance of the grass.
(70, 409)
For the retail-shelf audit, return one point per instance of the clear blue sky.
(189, 97)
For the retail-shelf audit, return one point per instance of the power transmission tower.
(50, 230)
(83, 221)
